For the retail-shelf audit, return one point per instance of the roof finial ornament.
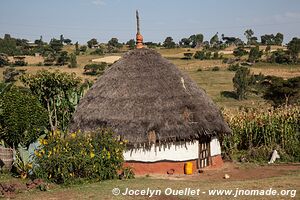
(139, 37)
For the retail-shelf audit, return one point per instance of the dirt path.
(239, 172)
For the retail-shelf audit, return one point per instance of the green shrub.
(188, 56)
(233, 67)
(98, 51)
(73, 61)
(95, 69)
(77, 157)
(216, 68)
(21, 117)
(215, 55)
(199, 55)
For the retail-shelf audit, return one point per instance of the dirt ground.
(239, 172)
(242, 175)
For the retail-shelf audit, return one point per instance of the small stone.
(226, 176)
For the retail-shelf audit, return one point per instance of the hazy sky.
(81, 20)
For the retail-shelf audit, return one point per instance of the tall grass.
(256, 132)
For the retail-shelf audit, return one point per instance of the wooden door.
(204, 154)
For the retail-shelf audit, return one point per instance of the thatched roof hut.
(144, 97)
(147, 100)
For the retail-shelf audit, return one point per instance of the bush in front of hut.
(77, 157)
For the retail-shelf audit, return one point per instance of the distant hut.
(167, 119)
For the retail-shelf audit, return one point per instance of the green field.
(213, 82)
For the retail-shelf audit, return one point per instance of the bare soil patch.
(238, 172)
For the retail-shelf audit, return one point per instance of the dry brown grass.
(31, 60)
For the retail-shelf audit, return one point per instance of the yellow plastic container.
(188, 168)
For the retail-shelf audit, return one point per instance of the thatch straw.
(145, 98)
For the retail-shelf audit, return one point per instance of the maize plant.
(269, 128)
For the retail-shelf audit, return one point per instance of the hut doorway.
(204, 158)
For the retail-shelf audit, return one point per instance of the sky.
(81, 20)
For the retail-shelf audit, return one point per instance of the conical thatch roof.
(145, 98)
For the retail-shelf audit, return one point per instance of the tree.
(21, 118)
(55, 45)
(239, 52)
(77, 51)
(185, 42)
(83, 48)
(278, 39)
(58, 92)
(280, 56)
(188, 56)
(241, 82)
(92, 42)
(73, 61)
(232, 40)
(214, 40)
(63, 58)
(8, 46)
(114, 42)
(95, 69)
(196, 39)
(3, 59)
(249, 33)
(98, 51)
(254, 54)
(67, 41)
(10, 74)
(131, 44)
(199, 55)
(61, 38)
(281, 91)
(294, 48)
(169, 43)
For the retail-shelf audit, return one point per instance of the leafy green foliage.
(233, 67)
(281, 91)
(196, 39)
(10, 74)
(257, 132)
(83, 48)
(214, 40)
(241, 82)
(76, 157)
(131, 44)
(199, 55)
(280, 57)
(55, 45)
(98, 51)
(114, 43)
(22, 117)
(188, 56)
(92, 42)
(62, 58)
(58, 92)
(3, 59)
(73, 60)
(251, 40)
(239, 52)
(95, 69)
(215, 68)
(254, 54)
(169, 43)
(294, 48)
(271, 39)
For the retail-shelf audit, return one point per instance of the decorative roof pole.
(139, 37)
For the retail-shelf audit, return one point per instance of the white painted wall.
(183, 152)
(215, 148)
